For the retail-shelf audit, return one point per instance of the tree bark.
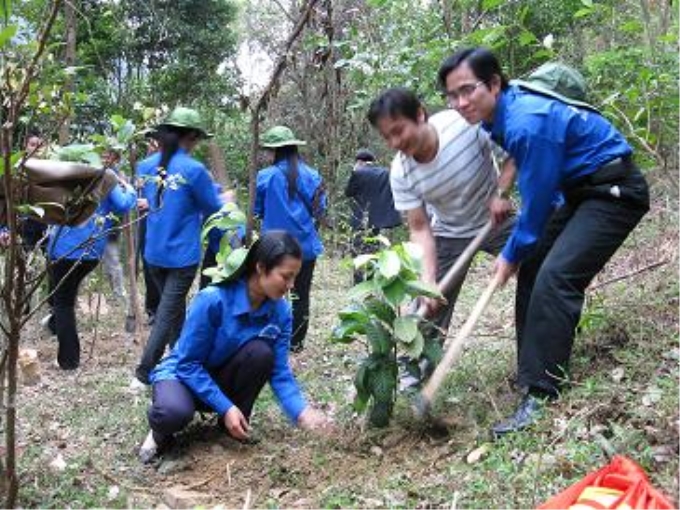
(69, 61)
(217, 163)
(13, 288)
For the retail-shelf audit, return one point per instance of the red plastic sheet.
(620, 484)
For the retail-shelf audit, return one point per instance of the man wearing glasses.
(444, 167)
(561, 145)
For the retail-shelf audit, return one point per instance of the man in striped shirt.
(444, 166)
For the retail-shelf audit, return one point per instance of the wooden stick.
(454, 273)
(629, 275)
(453, 351)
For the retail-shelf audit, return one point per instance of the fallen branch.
(629, 275)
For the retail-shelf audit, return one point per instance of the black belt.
(612, 171)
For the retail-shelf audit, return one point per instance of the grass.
(623, 396)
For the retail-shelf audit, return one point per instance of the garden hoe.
(453, 275)
(424, 401)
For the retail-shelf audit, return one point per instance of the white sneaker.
(136, 386)
(149, 449)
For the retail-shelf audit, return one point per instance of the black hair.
(482, 62)
(269, 250)
(394, 102)
(365, 155)
(169, 138)
(289, 153)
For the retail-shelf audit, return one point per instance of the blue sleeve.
(203, 190)
(193, 348)
(121, 199)
(283, 383)
(539, 161)
(260, 194)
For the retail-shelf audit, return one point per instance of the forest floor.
(79, 432)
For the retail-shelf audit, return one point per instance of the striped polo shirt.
(456, 185)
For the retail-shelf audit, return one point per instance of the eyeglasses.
(463, 92)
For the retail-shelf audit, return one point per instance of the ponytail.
(291, 155)
(169, 138)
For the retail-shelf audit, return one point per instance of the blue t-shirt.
(173, 232)
(553, 144)
(294, 215)
(219, 322)
(88, 241)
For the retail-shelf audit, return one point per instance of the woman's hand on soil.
(236, 423)
(313, 419)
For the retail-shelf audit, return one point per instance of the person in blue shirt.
(151, 294)
(179, 193)
(73, 252)
(559, 145)
(291, 196)
(235, 339)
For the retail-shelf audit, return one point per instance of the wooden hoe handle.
(454, 273)
(454, 349)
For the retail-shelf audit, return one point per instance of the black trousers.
(152, 295)
(241, 379)
(448, 251)
(64, 279)
(174, 285)
(580, 238)
(302, 289)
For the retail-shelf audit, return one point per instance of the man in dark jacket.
(371, 201)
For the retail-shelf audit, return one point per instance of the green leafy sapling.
(378, 313)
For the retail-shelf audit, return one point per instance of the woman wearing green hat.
(179, 194)
(291, 197)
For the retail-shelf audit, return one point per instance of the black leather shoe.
(527, 413)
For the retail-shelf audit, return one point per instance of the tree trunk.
(69, 61)
(13, 295)
(217, 163)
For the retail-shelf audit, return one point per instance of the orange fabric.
(622, 476)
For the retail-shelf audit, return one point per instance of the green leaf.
(526, 38)
(380, 310)
(389, 264)
(487, 5)
(379, 337)
(415, 348)
(418, 288)
(364, 259)
(395, 292)
(344, 332)
(361, 290)
(354, 313)
(7, 33)
(582, 13)
(406, 328)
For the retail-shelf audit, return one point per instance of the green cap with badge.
(187, 118)
(559, 81)
(279, 136)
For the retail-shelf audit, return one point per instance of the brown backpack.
(68, 193)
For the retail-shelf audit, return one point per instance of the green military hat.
(559, 81)
(279, 136)
(187, 118)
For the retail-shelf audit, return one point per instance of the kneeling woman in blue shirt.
(236, 338)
